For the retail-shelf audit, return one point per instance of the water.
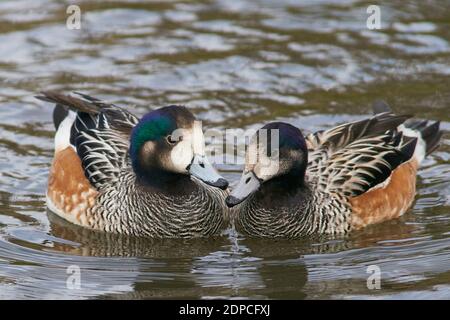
(236, 64)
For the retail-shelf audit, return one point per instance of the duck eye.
(171, 140)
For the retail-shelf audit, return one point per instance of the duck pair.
(150, 177)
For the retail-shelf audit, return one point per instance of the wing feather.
(354, 157)
(100, 135)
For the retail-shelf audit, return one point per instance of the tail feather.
(409, 147)
(432, 136)
(380, 106)
(74, 103)
(428, 135)
(416, 124)
(431, 130)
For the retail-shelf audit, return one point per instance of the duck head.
(168, 144)
(276, 154)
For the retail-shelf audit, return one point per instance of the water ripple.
(236, 64)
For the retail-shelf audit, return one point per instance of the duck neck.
(162, 181)
(281, 207)
(285, 190)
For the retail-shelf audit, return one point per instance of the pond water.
(235, 64)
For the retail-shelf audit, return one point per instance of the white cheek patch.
(182, 154)
(263, 166)
(192, 143)
(251, 156)
(198, 140)
(267, 167)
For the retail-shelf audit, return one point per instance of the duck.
(144, 177)
(333, 181)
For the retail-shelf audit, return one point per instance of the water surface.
(236, 64)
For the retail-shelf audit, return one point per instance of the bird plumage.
(356, 174)
(99, 174)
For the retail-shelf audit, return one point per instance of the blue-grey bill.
(248, 185)
(204, 171)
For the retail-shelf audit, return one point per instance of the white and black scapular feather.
(100, 134)
(352, 158)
